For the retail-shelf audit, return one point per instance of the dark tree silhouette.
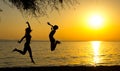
(1, 10)
(40, 7)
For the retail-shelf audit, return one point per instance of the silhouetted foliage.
(1, 10)
(40, 7)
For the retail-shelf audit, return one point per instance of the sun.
(95, 21)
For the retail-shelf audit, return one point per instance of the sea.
(68, 53)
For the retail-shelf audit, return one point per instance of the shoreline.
(63, 68)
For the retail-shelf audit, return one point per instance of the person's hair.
(55, 27)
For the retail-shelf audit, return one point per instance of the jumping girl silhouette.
(27, 47)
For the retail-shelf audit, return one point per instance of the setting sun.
(95, 21)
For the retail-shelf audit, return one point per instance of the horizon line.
(61, 40)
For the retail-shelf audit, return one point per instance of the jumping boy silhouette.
(52, 39)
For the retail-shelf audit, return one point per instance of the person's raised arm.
(49, 24)
(28, 24)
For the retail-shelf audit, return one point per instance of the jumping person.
(27, 47)
(52, 39)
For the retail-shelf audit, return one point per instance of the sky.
(75, 24)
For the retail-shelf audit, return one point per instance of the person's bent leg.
(30, 54)
(52, 46)
(20, 51)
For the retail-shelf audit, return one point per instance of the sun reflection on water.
(96, 48)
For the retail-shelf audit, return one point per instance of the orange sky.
(72, 23)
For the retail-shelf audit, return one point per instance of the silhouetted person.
(27, 36)
(52, 39)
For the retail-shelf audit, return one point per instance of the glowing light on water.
(96, 47)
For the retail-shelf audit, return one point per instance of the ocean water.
(88, 53)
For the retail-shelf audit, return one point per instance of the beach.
(63, 68)
(85, 56)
